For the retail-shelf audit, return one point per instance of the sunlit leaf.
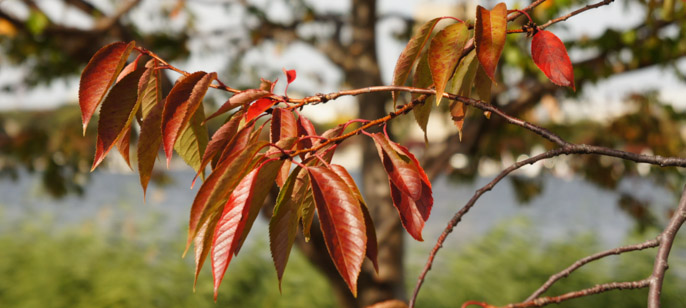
(284, 125)
(123, 145)
(422, 79)
(290, 77)
(149, 144)
(410, 215)
(550, 55)
(461, 84)
(444, 52)
(181, 103)
(99, 75)
(372, 246)
(482, 88)
(400, 169)
(237, 217)
(220, 140)
(305, 128)
(116, 114)
(240, 99)
(490, 31)
(283, 226)
(150, 88)
(203, 244)
(129, 68)
(342, 223)
(258, 107)
(410, 54)
(192, 140)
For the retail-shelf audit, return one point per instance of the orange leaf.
(342, 223)
(422, 79)
(444, 52)
(550, 55)
(258, 107)
(490, 31)
(99, 74)
(240, 99)
(410, 54)
(283, 225)
(283, 126)
(181, 103)
(149, 144)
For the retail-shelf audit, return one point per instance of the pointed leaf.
(372, 246)
(258, 107)
(240, 99)
(238, 143)
(283, 226)
(181, 103)
(410, 216)
(221, 138)
(290, 77)
(203, 244)
(422, 79)
(149, 144)
(123, 145)
(150, 89)
(425, 202)
(410, 54)
(342, 223)
(192, 140)
(490, 31)
(461, 84)
(129, 68)
(237, 217)
(284, 125)
(116, 114)
(400, 169)
(482, 86)
(305, 128)
(99, 74)
(550, 55)
(444, 52)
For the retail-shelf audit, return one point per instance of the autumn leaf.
(400, 169)
(220, 139)
(410, 54)
(342, 223)
(283, 225)
(150, 88)
(116, 114)
(422, 79)
(123, 145)
(181, 103)
(203, 244)
(100, 73)
(305, 128)
(482, 88)
(490, 31)
(284, 125)
(290, 77)
(238, 215)
(258, 107)
(444, 52)
(192, 140)
(461, 84)
(149, 144)
(372, 246)
(550, 55)
(240, 99)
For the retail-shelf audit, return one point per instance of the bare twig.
(581, 262)
(567, 16)
(543, 301)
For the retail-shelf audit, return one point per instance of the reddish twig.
(543, 301)
(567, 16)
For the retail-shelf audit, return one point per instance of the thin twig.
(581, 262)
(543, 301)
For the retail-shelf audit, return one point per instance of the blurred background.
(71, 238)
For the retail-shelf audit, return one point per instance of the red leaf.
(372, 246)
(203, 244)
(284, 125)
(444, 52)
(490, 31)
(240, 99)
(283, 225)
(237, 143)
(218, 186)
(290, 77)
(219, 141)
(98, 76)
(116, 114)
(342, 223)
(305, 128)
(129, 68)
(410, 54)
(550, 55)
(149, 144)
(401, 171)
(182, 102)
(239, 213)
(123, 145)
(409, 212)
(150, 88)
(258, 107)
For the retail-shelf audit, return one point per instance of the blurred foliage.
(509, 263)
(88, 266)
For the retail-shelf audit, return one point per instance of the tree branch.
(601, 288)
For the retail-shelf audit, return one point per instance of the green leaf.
(192, 140)
(444, 52)
(461, 84)
(422, 79)
(37, 22)
(410, 54)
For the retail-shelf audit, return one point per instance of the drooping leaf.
(237, 217)
(425, 202)
(150, 88)
(123, 145)
(461, 84)
(258, 107)
(444, 52)
(482, 87)
(341, 221)
(192, 140)
(129, 68)
(203, 244)
(305, 128)
(422, 79)
(410, 54)
(490, 31)
(240, 99)
(218, 186)
(243, 137)
(181, 103)
(116, 114)
(283, 125)
(400, 169)
(220, 139)
(149, 144)
(410, 215)
(99, 74)
(550, 55)
(372, 246)
(283, 225)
